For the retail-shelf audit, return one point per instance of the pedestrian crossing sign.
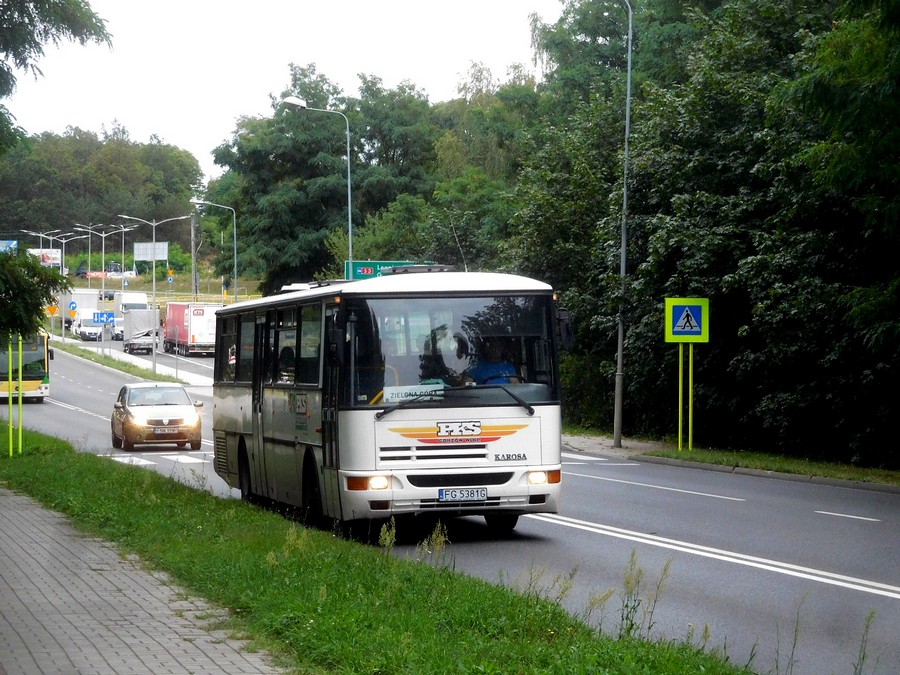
(687, 319)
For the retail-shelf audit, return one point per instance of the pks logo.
(472, 428)
(458, 433)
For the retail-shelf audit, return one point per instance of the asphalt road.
(780, 574)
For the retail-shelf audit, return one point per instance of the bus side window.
(226, 350)
(310, 346)
(245, 349)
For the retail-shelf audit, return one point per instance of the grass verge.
(784, 464)
(71, 347)
(760, 461)
(320, 603)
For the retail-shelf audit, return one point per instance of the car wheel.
(116, 441)
(195, 445)
(126, 444)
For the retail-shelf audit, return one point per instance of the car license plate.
(462, 494)
(167, 430)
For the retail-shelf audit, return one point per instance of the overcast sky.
(186, 70)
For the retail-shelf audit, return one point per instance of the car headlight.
(138, 421)
(191, 418)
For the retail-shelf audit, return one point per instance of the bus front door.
(330, 436)
(257, 454)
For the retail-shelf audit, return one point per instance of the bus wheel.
(244, 478)
(312, 496)
(501, 523)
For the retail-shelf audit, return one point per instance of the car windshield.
(158, 396)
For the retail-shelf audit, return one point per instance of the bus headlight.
(368, 483)
(378, 483)
(544, 477)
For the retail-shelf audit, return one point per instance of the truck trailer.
(140, 330)
(190, 328)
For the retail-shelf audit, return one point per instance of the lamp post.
(620, 356)
(40, 236)
(153, 224)
(300, 103)
(234, 230)
(123, 230)
(63, 238)
(90, 229)
(103, 236)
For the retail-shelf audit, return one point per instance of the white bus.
(353, 401)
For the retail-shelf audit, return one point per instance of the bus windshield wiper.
(518, 399)
(408, 402)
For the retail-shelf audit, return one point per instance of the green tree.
(51, 182)
(27, 26)
(26, 290)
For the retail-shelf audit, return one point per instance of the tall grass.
(322, 603)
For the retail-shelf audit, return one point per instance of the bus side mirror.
(336, 341)
(566, 329)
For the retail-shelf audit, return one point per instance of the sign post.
(687, 320)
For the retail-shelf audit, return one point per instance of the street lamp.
(620, 356)
(41, 235)
(103, 236)
(123, 230)
(90, 229)
(234, 229)
(153, 224)
(63, 238)
(300, 103)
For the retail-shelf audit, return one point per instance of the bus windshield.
(418, 349)
(34, 360)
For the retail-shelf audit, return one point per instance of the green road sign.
(687, 319)
(366, 269)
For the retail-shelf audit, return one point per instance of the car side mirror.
(198, 404)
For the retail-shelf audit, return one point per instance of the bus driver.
(492, 367)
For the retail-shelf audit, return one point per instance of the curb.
(759, 473)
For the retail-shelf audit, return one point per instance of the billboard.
(50, 257)
(144, 250)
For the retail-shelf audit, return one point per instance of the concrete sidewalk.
(71, 604)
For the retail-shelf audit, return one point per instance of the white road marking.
(75, 408)
(184, 459)
(587, 459)
(821, 576)
(134, 461)
(656, 487)
(583, 458)
(847, 515)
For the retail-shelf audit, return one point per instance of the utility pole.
(195, 281)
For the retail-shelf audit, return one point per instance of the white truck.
(126, 300)
(85, 327)
(141, 330)
(78, 302)
(190, 328)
